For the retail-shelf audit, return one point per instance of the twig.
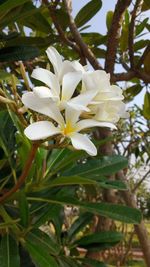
(23, 175)
(114, 34)
(141, 181)
(131, 31)
(77, 36)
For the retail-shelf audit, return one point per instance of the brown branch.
(23, 175)
(131, 31)
(127, 76)
(142, 58)
(77, 36)
(52, 10)
(141, 181)
(114, 34)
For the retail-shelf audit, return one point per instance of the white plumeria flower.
(61, 67)
(70, 128)
(99, 80)
(61, 94)
(110, 111)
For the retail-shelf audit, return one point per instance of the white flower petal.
(81, 101)
(78, 107)
(71, 115)
(69, 84)
(43, 106)
(44, 92)
(78, 67)
(88, 123)
(56, 59)
(96, 80)
(82, 142)
(41, 130)
(48, 78)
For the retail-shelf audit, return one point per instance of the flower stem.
(23, 175)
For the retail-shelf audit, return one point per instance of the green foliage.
(16, 53)
(87, 12)
(146, 107)
(35, 230)
(9, 254)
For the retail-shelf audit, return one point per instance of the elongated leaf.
(146, 106)
(116, 212)
(9, 256)
(92, 262)
(23, 209)
(105, 166)
(9, 4)
(87, 12)
(45, 241)
(100, 241)
(78, 180)
(79, 224)
(39, 255)
(16, 53)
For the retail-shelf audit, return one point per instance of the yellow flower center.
(68, 129)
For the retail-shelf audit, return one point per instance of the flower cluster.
(73, 99)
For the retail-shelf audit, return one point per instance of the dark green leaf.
(9, 4)
(23, 209)
(46, 241)
(116, 212)
(102, 240)
(93, 263)
(105, 166)
(87, 12)
(83, 220)
(39, 252)
(16, 53)
(9, 256)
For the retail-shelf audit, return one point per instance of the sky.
(98, 24)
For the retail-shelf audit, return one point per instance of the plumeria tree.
(62, 141)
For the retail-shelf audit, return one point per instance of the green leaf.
(87, 12)
(146, 107)
(39, 252)
(100, 240)
(79, 224)
(5, 75)
(23, 209)
(9, 255)
(32, 41)
(9, 4)
(78, 180)
(93, 38)
(46, 241)
(92, 262)
(124, 38)
(140, 27)
(109, 18)
(140, 44)
(105, 166)
(15, 53)
(113, 211)
(99, 52)
(132, 91)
